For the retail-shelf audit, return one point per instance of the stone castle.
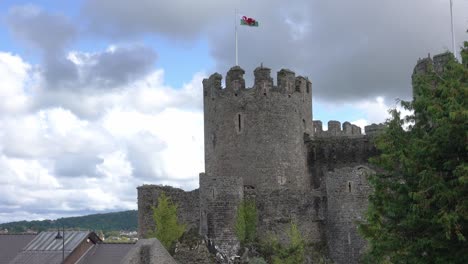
(261, 143)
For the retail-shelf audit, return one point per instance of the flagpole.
(453, 35)
(235, 26)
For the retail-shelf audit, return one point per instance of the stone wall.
(187, 202)
(148, 251)
(219, 198)
(277, 209)
(261, 143)
(257, 133)
(335, 129)
(339, 166)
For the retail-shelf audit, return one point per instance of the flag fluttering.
(248, 21)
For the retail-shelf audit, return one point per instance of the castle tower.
(254, 141)
(257, 134)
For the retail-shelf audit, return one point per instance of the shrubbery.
(246, 222)
(168, 230)
(292, 253)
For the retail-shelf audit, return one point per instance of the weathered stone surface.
(193, 254)
(148, 251)
(261, 144)
(187, 202)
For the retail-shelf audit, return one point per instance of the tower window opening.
(239, 122)
(349, 186)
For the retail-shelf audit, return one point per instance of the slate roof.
(106, 253)
(11, 245)
(45, 248)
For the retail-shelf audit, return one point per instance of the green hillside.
(126, 220)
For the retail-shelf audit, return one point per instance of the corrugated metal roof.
(11, 245)
(46, 249)
(47, 241)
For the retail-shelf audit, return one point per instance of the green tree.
(167, 229)
(294, 253)
(418, 211)
(246, 222)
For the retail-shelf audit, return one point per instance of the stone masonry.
(261, 143)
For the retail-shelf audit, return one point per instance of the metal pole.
(63, 246)
(235, 27)
(453, 34)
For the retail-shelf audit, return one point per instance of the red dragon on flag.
(248, 21)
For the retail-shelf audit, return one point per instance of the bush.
(257, 261)
(293, 253)
(246, 222)
(168, 230)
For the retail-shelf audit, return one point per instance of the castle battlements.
(436, 63)
(287, 83)
(335, 129)
(374, 129)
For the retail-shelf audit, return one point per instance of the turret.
(286, 81)
(235, 80)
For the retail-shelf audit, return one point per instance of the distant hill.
(126, 220)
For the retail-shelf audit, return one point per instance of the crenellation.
(263, 81)
(374, 129)
(441, 60)
(212, 86)
(336, 130)
(235, 79)
(318, 127)
(287, 85)
(301, 84)
(334, 127)
(355, 130)
(286, 81)
(347, 128)
(423, 65)
(436, 63)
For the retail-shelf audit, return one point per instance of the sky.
(98, 97)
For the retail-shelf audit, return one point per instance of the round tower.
(257, 134)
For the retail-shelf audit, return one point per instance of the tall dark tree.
(418, 212)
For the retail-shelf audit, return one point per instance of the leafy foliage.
(126, 220)
(168, 230)
(418, 212)
(292, 253)
(257, 260)
(246, 222)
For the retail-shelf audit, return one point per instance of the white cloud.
(376, 111)
(55, 162)
(14, 74)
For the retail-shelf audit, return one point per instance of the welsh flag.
(248, 21)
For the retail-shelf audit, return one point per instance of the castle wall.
(219, 199)
(277, 209)
(261, 143)
(339, 166)
(335, 130)
(187, 202)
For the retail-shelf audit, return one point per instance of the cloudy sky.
(98, 97)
